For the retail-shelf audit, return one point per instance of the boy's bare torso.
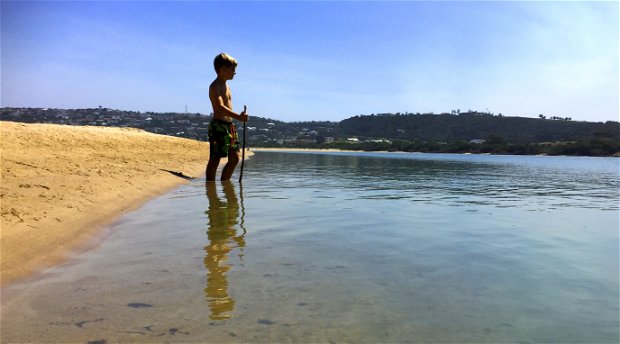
(219, 91)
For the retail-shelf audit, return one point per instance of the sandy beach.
(61, 184)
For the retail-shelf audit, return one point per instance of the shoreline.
(259, 149)
(62, 185)
(335, 150)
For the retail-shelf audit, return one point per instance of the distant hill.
(471, 126)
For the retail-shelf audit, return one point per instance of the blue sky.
(303, 61)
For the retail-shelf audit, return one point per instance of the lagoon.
(350, 247)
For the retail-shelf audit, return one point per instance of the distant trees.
(449, 127)
(555, 118)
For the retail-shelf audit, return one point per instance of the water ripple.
(500, 181)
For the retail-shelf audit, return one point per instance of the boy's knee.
(234, 158)
(213, 161)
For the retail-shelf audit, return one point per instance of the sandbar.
(60, 185)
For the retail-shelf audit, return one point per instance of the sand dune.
(60, 184)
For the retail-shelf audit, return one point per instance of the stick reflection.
(224, 216)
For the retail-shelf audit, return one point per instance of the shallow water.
(350, 247)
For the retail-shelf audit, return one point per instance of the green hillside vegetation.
(471, 126)
(479, 133)
(470, 132)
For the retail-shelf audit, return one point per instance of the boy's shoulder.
(216, 85)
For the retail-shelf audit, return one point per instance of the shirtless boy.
(222, 132)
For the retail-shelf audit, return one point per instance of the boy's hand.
(243, 116)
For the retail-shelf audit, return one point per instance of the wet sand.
(62, 184)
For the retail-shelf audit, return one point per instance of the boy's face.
(228, 72)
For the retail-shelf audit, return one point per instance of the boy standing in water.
(222, 132)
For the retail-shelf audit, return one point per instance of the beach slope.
(60, 184)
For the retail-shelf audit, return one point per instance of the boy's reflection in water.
(223, 238)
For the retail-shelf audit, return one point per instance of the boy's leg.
(212, 165)
(229, 168)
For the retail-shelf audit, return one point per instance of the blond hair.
(224, 60)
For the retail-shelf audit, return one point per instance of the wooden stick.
(242, 152)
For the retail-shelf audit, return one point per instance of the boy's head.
(224, 60)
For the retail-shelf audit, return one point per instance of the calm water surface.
(350, 247)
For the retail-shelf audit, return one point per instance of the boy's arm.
(219, 106)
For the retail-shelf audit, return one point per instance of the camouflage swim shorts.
(222, 137)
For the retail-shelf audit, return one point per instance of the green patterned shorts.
(222, 138)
